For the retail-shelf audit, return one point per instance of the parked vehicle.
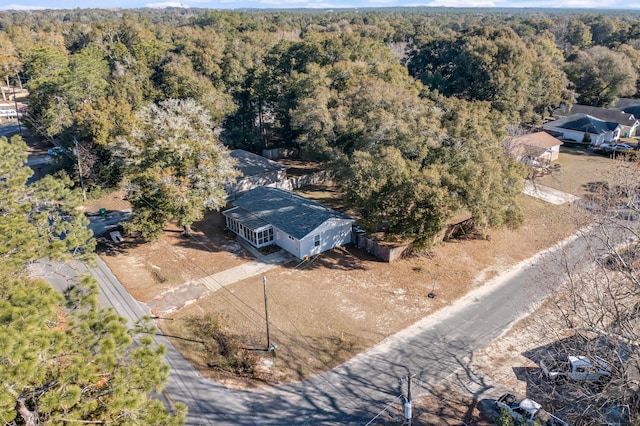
(618, 148)
(527, 411)
(55, 150)
(607, 146)
(623, 147)
(575, 367)
(8, 112)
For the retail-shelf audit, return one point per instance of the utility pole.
(84, 193)
(266, 310)
(15, 102)
(270, 347)
(407, 405)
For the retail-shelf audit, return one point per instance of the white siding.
(333, 233)
(287, 242)
(576, 136)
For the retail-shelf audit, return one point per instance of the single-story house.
(255, 171)
(533, 149)
(265, 216)
(584, 128)
(624, 103)
(627, 121)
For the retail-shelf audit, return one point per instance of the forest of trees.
(407, 106)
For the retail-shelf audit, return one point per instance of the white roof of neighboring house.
(535, 143)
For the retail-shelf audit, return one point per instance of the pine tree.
(62, 359)
(41, 219)
(76, 364)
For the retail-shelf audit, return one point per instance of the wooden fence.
(385, 251)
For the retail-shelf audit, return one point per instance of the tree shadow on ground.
(346, 258)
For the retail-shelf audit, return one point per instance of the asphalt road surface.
(355, 392)
(8, 129)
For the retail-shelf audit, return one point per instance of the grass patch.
(579, 167)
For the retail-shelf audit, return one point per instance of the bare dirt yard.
(344, 301)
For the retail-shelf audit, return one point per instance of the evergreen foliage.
(41, 219)
(435, 87)
(62, 358)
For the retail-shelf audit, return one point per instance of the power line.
(384, 409)
(228, 292)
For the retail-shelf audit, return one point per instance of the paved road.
(36, 160)
(8, 129)
(433, 349)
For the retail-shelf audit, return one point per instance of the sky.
(312, 4)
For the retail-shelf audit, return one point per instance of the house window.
(316, 240)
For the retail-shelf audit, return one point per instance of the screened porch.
(249, 227)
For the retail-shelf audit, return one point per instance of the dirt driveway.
(345, 301)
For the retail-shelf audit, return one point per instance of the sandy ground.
(327, 311)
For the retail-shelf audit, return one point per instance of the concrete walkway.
(177, 298)
(547, 194)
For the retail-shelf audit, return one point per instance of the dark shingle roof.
(585, 123)
(623, 103)
(635, 110)
(611, 115)
(250, 164)
(293, 214)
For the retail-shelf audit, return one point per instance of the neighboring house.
(630, 106)
(533, 149)
(255, 171)
(584, 128)
(623, 103)
(265, 216)
(627, 121)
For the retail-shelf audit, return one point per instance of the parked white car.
(575, 367)
(9, 113)
(616, 147)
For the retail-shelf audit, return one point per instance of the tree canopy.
(174, 165)
(336, 87)
(494, 65)
(601, 75)
(62, 358)
(45, 212)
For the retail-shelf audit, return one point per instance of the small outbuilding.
(265, 216)
(255, 171)
(533, 149)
